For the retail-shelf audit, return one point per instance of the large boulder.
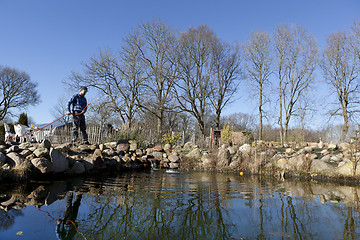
(189, 146)
(223, 158)
(2, 159)
(78, 168)
(60, 163)
(245, 149)
(41, 152)
(319, 166)
(14, 159)
(194, 154)
(347, 169)
(45, 144)
(44, 165)
(298, 162)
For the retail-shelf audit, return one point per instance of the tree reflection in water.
(153, 205)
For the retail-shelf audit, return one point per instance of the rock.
(167, 147)
(111, 162)
(45, 144)
(245, 149)
(289, 151)
(344, 146)
(308, 149)
(139, 152)
(174, 158)
(326, 158)
(123, 147)
(14, 148)
(88, 164)
(194, 154)
(86, 148)
(311, 156)
(318, 166)
(14, 159)
(111, 144)
(332, 146)
(25, 145)
(109, 152)
(133, 145)
(44, 165)
(3, 148)
(63, 147)
(335, 159)
(174, 165)
(347, 169)
(25, 153)
(231, 150)
(102, 147)
(2, 159)
(189, 146)
(60, 163)
(223, 158)
(298, 162)
(41, 152)
(157, 148)
(157, 155)
(208, 161)
(78, 168)
(234, 165)
(282, 163)
(325, 152)
(98, 159)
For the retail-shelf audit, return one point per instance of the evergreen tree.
(23, 119)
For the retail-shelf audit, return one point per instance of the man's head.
(83, 91)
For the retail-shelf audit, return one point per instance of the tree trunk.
(260, 115)
(345, 128)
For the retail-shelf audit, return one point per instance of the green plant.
(23, 119)
(167, 138)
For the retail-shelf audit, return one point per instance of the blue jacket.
(78, 103)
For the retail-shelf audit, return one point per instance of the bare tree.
(226, 76)
(296, 59)
(17, 90)
(133, 74)
(341, 70)
(195, 69)
(258, 60)
(355, 38)
(157, 48)
(60, 109)
(118, 79)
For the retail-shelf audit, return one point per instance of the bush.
(167, 138)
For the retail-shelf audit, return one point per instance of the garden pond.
(179, 205)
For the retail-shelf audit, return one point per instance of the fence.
(63, 134)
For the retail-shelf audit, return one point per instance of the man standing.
(79, 107)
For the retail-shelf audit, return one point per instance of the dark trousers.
(79, 122)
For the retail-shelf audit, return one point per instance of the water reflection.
(152, 205)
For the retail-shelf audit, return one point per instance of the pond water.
(163, 205)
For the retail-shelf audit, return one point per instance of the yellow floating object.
(19, 233)
(241, 173)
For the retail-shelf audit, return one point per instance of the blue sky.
(48, 39)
